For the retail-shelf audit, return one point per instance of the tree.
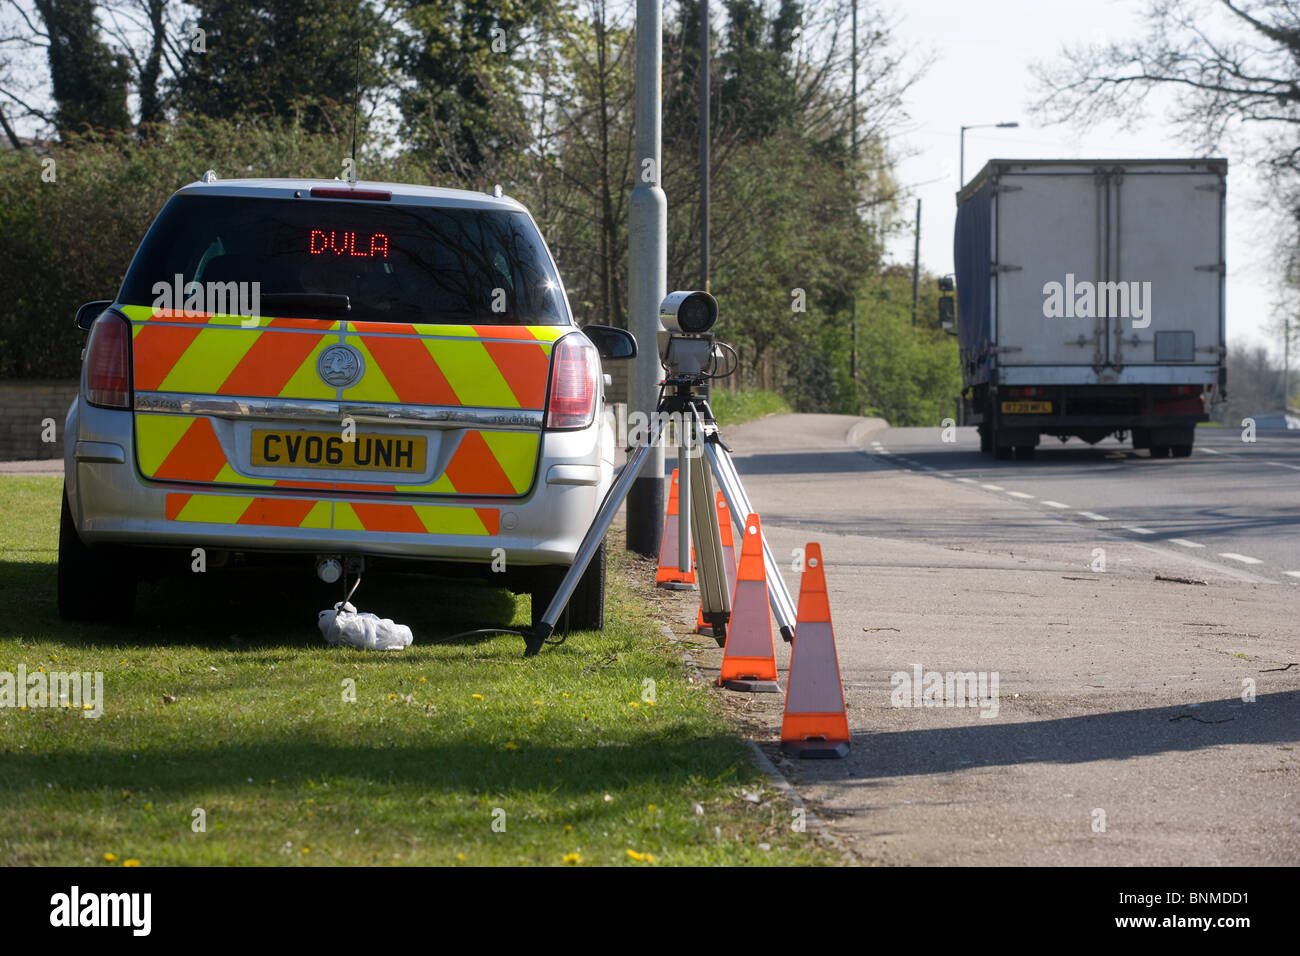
(466, 71)
(88, 80)
(281, 59)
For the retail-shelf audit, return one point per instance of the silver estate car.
(345, 375)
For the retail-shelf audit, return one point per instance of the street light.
(961, 169)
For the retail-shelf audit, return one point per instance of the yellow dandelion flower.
(568, 828)
(306, 850)
(461, 857)
(392, 697)
(512, 746)
(477, 696)
(572, 859)
(110, 857)
(633, 703)
(131, 862)
(423, 681)
(537, 703)
(566, 693)
(635, 855)
(649, 703)
(651, 808)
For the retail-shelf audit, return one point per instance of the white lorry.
(1090, 301)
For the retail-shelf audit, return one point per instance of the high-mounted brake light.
(108, 362)
(575, 372)
(325, 192)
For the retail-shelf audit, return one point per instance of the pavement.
(1108, 593)
(43, 466)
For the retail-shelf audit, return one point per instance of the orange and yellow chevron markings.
(338, 515)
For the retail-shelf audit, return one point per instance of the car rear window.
(395, 263)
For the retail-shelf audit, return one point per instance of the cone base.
(677, 585)
(751, 685)
(816, 749)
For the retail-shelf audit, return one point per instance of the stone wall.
(24, 405)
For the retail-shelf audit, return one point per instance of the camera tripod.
(703, 458)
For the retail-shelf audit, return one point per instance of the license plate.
(1026, 408)
(294, 449)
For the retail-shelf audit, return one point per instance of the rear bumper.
(112, 503)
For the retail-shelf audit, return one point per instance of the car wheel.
(93, 585)
(586, 608)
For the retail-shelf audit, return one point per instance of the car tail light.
(575, 373)
(108, 362)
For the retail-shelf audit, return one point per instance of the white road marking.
(1054, 504)
(993, 487)
(1210, 451)
(928, 468)
(1094, 516)
(945, 474)
(1243, 558)
(1019, 494)
(1294, 574)
(1210, 567)
(1185, 543)
(1136, 530)
(969, 481)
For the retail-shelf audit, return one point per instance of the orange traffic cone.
(815, 723)
(728, 562)
(670, 575)
(748, 658)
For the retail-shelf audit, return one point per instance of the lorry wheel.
(94, 586)
(1026, 452)
(1181, 451)
(1004, 452)
(986, 440)
(586, 608)
(1160, 451)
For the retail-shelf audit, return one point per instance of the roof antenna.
(356, 105)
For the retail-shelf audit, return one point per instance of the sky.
(981, 74)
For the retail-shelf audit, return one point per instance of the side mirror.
(610, 342)
(947, 283)
(88, 313)
(947, 314)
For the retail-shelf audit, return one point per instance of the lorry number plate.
(1026, 408)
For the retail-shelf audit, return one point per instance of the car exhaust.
(329, 568)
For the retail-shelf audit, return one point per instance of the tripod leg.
(715, 594)
(595, 534)
(778, 595)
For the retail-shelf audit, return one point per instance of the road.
(1121, 734)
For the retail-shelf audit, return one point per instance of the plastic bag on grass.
(343, 625)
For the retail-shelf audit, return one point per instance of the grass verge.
(223, 698)
(746, 404)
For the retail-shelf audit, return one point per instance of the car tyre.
(94, 586)
(586, 608)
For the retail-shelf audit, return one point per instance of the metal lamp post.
(961, 169)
